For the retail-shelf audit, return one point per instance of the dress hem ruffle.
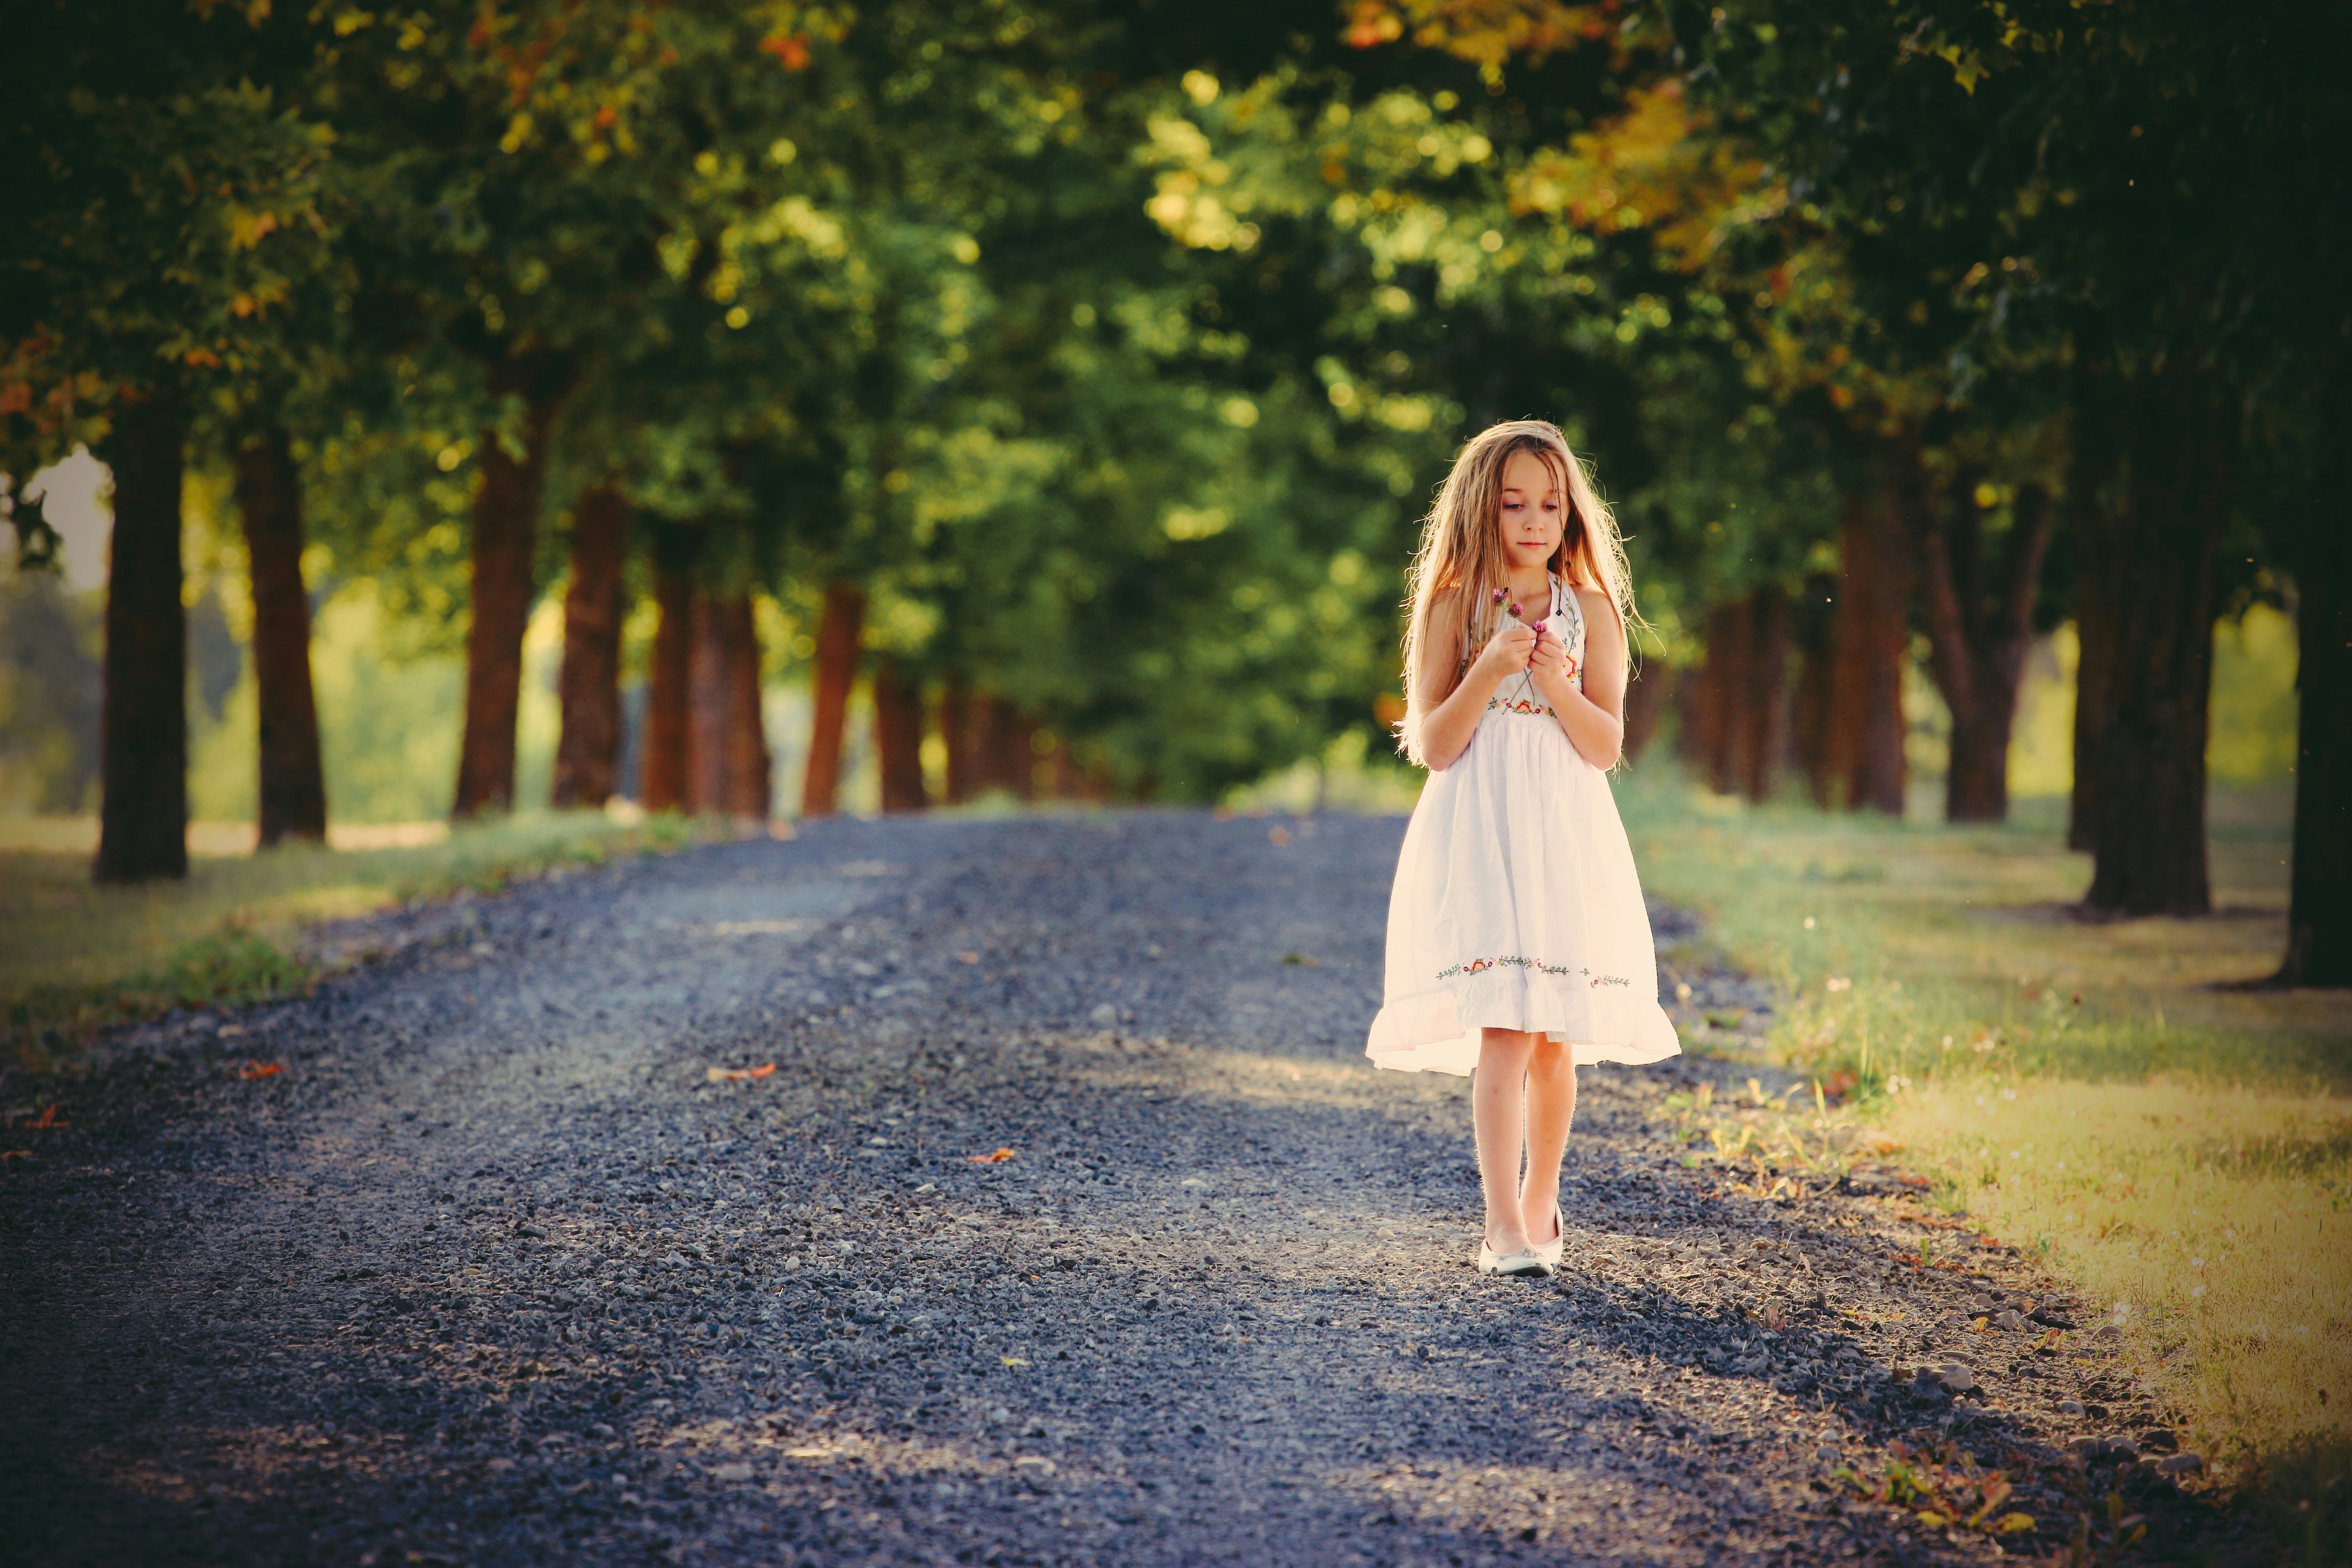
(1438, 1030)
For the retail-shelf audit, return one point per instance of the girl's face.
(1535, 510)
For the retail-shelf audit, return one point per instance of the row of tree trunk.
(2148, 502)
(1839, 719)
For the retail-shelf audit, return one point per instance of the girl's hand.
(1547, 668)
(1505, 654)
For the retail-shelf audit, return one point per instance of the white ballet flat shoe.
(1550, 1251)
(1524, 1263)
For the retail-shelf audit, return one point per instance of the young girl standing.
(1518, 944)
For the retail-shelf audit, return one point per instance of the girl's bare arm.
(1595, 718)
(1450, 709)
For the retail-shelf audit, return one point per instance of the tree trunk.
(1813, 622)
(1648, 694)
(143, 730)
(706, 707)
(1710, 707)
(505, 544)
(956, 735)
(1020, 754)
(996, 737)
(1978, 633)
(589, 689)
(668, 686)
(270, 502)
(751, 788)
(1864, 741)
(1760, 720)
(2156, 575)
(2096, 536)
(2319, 907)
(839, 630)
(899, 737)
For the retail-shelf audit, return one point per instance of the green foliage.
(1115, 357)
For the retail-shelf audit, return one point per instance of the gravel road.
(494, 1271)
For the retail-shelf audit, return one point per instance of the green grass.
(75, 956)
(2085, 1092)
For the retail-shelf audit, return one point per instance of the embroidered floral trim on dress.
(1475, 965)
(1517, 705)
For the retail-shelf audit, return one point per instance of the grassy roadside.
(2083, 1090)
(75, 956)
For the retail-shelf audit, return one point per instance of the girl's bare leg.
(1498, 1107)
(1551, 1107)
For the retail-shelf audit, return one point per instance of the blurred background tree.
(722, 407)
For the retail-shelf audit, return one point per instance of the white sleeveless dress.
(1516, 904)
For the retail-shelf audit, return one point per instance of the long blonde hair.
(1461, 555)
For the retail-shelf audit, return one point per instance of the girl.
(1519, 942)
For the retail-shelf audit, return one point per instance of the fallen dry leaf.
(996, 1159)
(967, 958)
(49, 1119)
(1277, 836)
(16, 1153)
(260, 1069)
(731, 1075)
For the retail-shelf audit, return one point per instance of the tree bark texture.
(1864, 732)
(2319, 901)
(144, 727)
(707, 708)
(2319, 909)
(899, 737)
(589, 687)
(751, 791)
(1979, 618)
(2094, 638)
(840, 625)
(668, 684)
(269, 504)
(505, 544)
(956, 735)
(2154, 562)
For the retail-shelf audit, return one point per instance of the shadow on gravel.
(494, 1273)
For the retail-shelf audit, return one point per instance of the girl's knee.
(1503, 1047)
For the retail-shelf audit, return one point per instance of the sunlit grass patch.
(1906, 951)
(74, 955)
(2214, 1225)
(2094, 1093)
